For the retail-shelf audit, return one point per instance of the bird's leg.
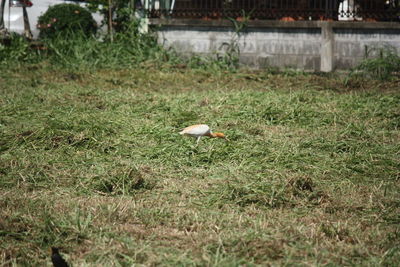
(198, 140)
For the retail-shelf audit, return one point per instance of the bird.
(56, 258)
(200, 130)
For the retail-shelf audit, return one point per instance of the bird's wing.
(196, 130)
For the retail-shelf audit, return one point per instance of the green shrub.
(64, 19)
(380, 63)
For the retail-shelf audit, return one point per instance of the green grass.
(92, 162)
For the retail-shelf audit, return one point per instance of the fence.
(369, 10)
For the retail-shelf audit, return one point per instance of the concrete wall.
(351, 44)
(308, 45)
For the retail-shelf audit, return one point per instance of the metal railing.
(369, 10)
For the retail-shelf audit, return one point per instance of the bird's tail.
(182, 132)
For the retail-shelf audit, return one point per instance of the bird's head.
(220, 135)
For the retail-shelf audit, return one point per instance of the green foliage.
(124, 16)
(127, 50)
(240, 24)
(122, 11)
(380, 63)
(15, 49)
(64, 19)
(66, 43)
(231, 50)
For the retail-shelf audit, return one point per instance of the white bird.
(200, 130)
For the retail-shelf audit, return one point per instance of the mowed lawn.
(92, 162)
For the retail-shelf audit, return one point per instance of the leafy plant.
(16, 49)
(232, 49)
(122, 11)
(63, 19)
(380, 63)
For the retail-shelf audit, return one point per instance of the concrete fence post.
(327, 46)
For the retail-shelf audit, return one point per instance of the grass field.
(93, 163)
